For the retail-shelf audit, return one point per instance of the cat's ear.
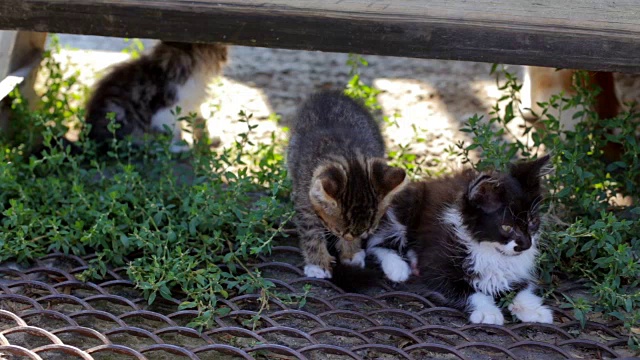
(485, 193)
(528, 173)
(327, 183)
(387, 180)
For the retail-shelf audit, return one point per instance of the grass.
(191, 225)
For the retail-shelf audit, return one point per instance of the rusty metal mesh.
(46, 313)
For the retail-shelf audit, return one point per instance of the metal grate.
(46, 313)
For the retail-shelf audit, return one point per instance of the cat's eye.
(506, 228)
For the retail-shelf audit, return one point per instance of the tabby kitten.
(341, 182)
(475, 236)
(142, 93)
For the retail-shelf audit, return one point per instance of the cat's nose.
(348, 237)
(523, 243)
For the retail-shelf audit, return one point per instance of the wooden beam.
(18, 77)
(588, 34)
(20, 54)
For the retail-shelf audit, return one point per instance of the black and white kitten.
(471, 236)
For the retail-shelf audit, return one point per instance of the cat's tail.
(355, 279)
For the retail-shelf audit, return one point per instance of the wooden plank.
(20, 54)
(589, 34)
(7, 42)
(18, 77)
(18, 48)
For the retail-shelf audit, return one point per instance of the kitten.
(341, 182)
(475, 236)
(142, 93)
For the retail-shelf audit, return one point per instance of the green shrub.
(185, 225)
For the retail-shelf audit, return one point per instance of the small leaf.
(187, 305)
(224, 311)
(152, 298)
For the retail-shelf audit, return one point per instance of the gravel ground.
(435, 96)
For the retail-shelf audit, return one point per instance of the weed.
(183, 231)
(402, 155)
(134, 48)
(357, 89)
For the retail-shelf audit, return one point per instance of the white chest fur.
(193, 92)
(189, 97)
(492, 272)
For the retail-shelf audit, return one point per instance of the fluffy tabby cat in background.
(341, 182)
(474, 236)
(142, 93)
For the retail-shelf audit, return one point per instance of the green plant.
(135, 47)
(56, 111)
(184, 229)
(356, 88)
(592, 237)
(402, 155)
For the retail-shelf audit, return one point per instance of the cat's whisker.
(535, 205)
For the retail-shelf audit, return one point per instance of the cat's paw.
(528, 307)
(357, 260)
(541, 314)
(395, 268)
(316, 271)
(487, 314)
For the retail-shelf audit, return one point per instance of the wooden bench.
(585, 34)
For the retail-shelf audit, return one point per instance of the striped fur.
(341, 183)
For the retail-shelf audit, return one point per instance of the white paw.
(527, 307)
(540, 314)
(316, 271)
(357, 260)
(487, 315)
(395, 268)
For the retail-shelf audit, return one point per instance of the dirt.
(435, 96)
(431, 99)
